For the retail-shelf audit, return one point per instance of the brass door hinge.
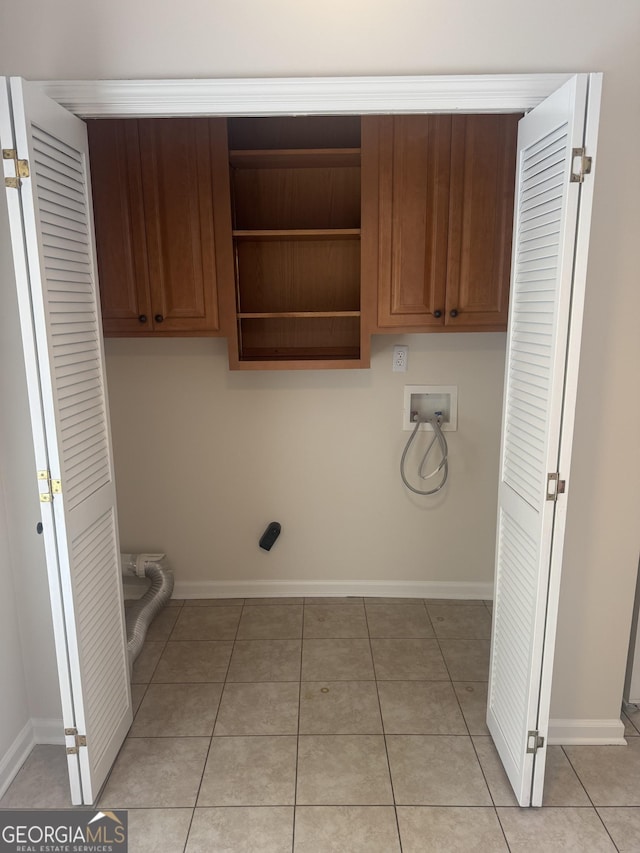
(21, 168)
(555, 486)
(54, 487)
(534, 741)
(80, 740)
(582, 167)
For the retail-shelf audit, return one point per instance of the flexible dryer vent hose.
(140, 613)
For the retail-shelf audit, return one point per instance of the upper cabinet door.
(414, 167)
(120, 226)
(161, 204)
(178, 196)
(483, 162)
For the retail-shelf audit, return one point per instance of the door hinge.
(555, 486)
(21, 168)
(580, 168)
(80, 740)
(534, 741)
(54, 487)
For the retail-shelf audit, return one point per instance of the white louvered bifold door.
(544, 303)
(52, 239)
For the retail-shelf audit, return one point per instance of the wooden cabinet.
(297, 237)
(446, 186)
(300, 236)
(158, 185)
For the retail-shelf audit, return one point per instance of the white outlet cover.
(439, 391)
(400, 358)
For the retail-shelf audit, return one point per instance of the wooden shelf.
(300, 354)
(296, 234)
(279, 315)
(282, 133)
(297, 214)
(294, 158)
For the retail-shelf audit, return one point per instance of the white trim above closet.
(501, 93)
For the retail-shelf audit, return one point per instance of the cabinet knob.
(158, 318)
(453, 313)
(437, 313)
(142, 318)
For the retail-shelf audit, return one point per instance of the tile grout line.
(455, 693)
(384, 734)
(593, 805)
(146, 685)
(206, 760)
(473, 746)
(502, 830)
(295, 780)
(165, 643)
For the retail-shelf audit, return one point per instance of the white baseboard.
(35, 731)
(286, 588)
(15, 756)
(586, 732)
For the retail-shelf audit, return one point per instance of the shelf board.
(300, 354)
(296, 158)
(297, 234)
(270, 315)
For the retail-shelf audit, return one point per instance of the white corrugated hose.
(140, 613)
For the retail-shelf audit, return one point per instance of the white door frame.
(333, 95)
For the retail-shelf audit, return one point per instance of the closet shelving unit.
(296, 229)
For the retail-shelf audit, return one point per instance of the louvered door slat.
(75, 237)
(98, 634)
(547, 240)
(535, 148)
(541, 214)
(527, 371)
(516, 576)
(58, 243)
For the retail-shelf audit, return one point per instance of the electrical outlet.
(400, 358)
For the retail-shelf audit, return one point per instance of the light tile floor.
(335, 726)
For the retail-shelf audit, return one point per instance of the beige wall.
(14, 708)
(205, 458)
(75, 39)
